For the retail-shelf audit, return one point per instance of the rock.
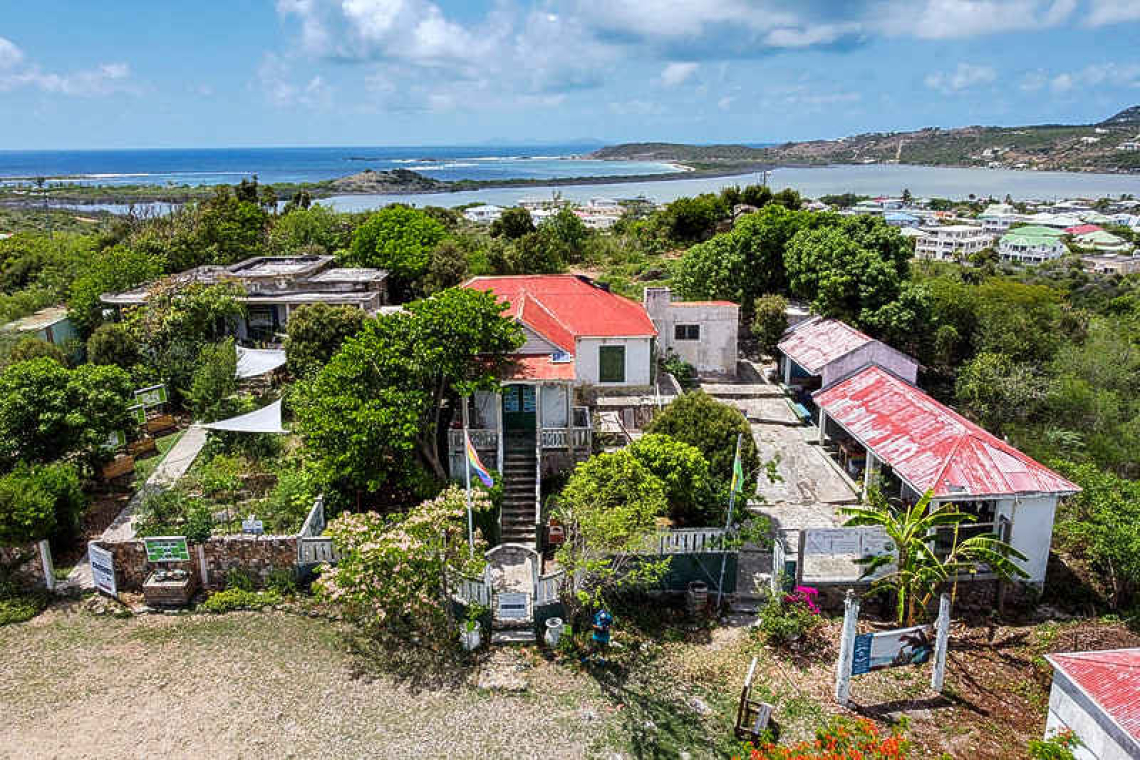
(699, 706)
(587, 713)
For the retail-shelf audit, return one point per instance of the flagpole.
(728, 521)
(467, 480)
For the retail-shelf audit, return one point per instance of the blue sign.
(904, 646)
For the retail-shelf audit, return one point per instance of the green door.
(518, 409)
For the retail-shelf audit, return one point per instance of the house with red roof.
(816, 352)
(578, 334)
(912, 444)
(1096, 696)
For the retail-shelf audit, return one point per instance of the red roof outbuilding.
(1110, 678)
(930, 446)
(815, 343)
(565, 307)
(1083, 229)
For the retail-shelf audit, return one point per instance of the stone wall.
(257, 555)
(30, 570)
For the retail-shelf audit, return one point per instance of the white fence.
(469, 590)
(312, 547)
(547, 588)
(691, 541)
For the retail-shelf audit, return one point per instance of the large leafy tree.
(372, 415)
(609, 508)
(513, 223)
(39, 501)
(769, 321)
(684, 474)
(399, 239)
(316, 228)
(48, 412)
(915, 572)
(315, 332)
(108, 271)
(711, 427)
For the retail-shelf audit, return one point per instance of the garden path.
(172, 467)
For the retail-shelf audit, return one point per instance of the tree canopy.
(315, 332)
(399, 239)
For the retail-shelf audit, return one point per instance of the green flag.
(737, 474)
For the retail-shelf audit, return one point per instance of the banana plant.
(916, 572)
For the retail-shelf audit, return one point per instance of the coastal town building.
(50, 325)
(1031, 245)
(702, 333)
(484, 214)
(911, 444)
(953, 242)
(901, 219)
(1110, 263)
(275, 285)
(1096, 696)
(1100, 240)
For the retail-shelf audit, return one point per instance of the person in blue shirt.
(603, 620)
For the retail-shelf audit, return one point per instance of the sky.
(217, 73)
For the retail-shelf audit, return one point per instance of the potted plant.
(469, 630)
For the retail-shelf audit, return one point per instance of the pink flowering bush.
(389, 576)
(787, 620)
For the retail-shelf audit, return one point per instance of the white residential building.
(953, 242)
(703, 333)
(1031, 245)
(483, 214)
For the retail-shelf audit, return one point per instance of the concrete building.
(1031, 245)
(1109, 263)
(912, 444)
(900, 219)
(953, 242)
(1096, 696)
(1100, 240)
(703, 333)
(275, 285)
(818, 352)
(50, 324)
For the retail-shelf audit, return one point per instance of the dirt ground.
(280, 684)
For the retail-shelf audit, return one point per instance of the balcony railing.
(482, 439)
(564, 438)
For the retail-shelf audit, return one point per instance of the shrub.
(30, 347)
(19, 608)
(841, 739)
(240, 599)
(112, 344)
(685, 373)
(789, 618)
(214, 381)
(175, 513)
(769, 321)
(240, 579)
(282, 580)
(684, 472)
(39, 501)
(315, 332)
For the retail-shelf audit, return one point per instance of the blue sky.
(129, 73)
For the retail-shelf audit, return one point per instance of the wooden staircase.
(519, 500)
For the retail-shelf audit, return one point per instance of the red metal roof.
(1083, 229)
(537, 367)
(563, 307)
(930, 446)
(1111, 678)
(815, 343)
(703, 303)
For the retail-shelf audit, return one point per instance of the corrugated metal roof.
(929, 445)
(538, 367)
(38, 321)
(1111, 678)
(568, 306)
(815, 343)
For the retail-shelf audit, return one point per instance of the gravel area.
(270, 685)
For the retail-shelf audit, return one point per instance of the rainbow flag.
(475, 464)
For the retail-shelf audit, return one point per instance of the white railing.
(563, 438)
(691, 541)
(469, 590)
(312, 547)
(482, 439)
(547, 588)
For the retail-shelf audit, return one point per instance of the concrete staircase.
(519, 493)
(512, 576)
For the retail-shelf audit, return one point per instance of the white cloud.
(725, 103)
(1097, 75)
(948, 19)
(104, 79)
(276, 81)
(964, 77)
(1034, 81)
(1102, 12)
(678, 73)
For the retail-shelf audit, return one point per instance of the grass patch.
(21, 607)
(144, 468)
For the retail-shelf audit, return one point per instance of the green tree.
(30, 347)
(315, 333)
(214, 381)
(315, 227)
(711, 427)
(769, 321)
(691, 220)
(399, 239)
(684, 473)
(915, 572)
(609, 508)
(566, 231)
(513, 224)
(38, 502)
(112, 343)
(109, 271)
(99, 397)
(447, 267)
(997, 392)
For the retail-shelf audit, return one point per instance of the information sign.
(166, 549)
(102, 569)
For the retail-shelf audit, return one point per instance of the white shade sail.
(264, 420)
(252, 362)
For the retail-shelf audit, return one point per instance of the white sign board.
(252, 525)
(102, 569)
(855, 542)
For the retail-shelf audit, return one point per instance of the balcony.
(552, 438)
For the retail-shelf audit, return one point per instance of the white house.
(484, 214)
(912, 444)
(1031, 245)
(703, 333)
(952, 242)
(1096, 696)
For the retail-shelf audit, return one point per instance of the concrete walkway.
(172, 467)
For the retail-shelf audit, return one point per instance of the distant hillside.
(1090, 147)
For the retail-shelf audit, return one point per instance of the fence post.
(941, 643)
(46, 563)
(800, 557)
(846, 648)
(777, 564)
(202, 565)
